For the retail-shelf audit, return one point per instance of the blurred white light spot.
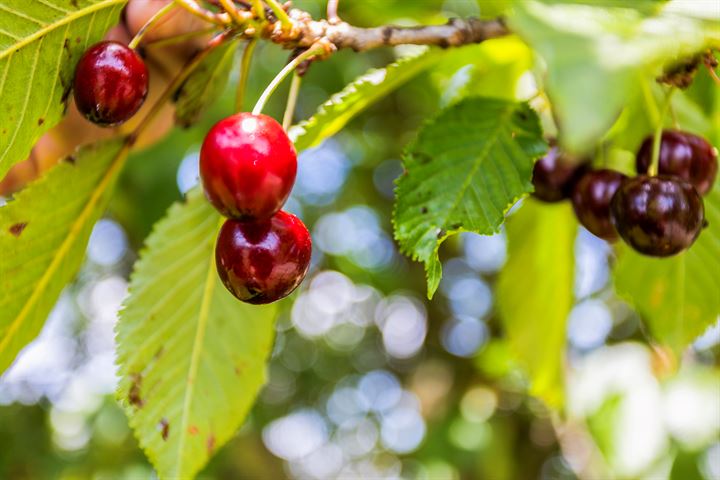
(591, 264)
(379, 390)
(463, 336)
(344, 405)
(188, 174)
(470, 296)
(692, 409)
(403, 322)
(295, 435)
(469, 436)
(478, 404)
(589, 324)
(107, 244)
(710, 338)
(485, 253)
(402, 430)
(322, 171)
(325, 462)
(357, 438)
(710, 462)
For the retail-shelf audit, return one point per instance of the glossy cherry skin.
(591, 201)
(248, 166)
(554, 176)
(658, 216)
(265, 260)
(111, 83)
(684, 155)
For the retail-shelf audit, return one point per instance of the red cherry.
(591, 201)
(111, 83)
(265, 260)
(684, 155)
(657, 216)
(554, 176)
(248, 166)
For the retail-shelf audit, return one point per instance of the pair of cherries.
(247, 164)
(658, 216)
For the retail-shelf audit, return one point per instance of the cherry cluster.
(247, 165)
(656, 215)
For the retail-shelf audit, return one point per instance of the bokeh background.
(368, 379)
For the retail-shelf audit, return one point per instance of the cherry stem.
(193, 7)
(332, 11)
(654, 164)
(259, 9)
(229, 7)
(150, 23)
(713, 74)
(291, 101)
(244, 73)
(281, 76)
(164, 42)
(178, 81)
(280, 13)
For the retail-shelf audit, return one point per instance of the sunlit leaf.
(467, 167)
(43, 233)
(535, 293)
(677, 297)
(192, 357)
(40, 42)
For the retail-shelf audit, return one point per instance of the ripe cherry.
(554, 176)
(591, 201)
(657, 216)
(248, 166)
(684, 155)
(111, 83)
(265, 260)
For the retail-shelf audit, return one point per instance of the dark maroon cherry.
(248, 166)
(657, 216)
(263, 261)
(554, 176)
(684, 155)
(111, 83)
(591, 201)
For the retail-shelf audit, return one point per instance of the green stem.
(291, 101)
(280, 13)
(150, 23)
(653, 170)
(281, 76)
(259, 9)
(244, 73)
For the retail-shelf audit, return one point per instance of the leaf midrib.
(75, 15)
(65, 247)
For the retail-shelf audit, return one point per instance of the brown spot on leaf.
(423, 210)
(210, 444)
(17, 228)
(77, 40)
(134, 393)
(164, 427)
(41, 121)
(193, 430)
(71, 159)
(240, 368)
(159, 352)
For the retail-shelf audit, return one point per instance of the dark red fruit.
(554, 176)
(248, 166)
(591, 201)
(658, 216)
(111, 83)
(684, 155)
(263, 261)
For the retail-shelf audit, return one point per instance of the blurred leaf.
(467, 167)
(205, 84)
(604, 423)
(43, 233)
(677, 296)
(535, 292)
(191, 356)
(40, 42)
(334, 114)
(596, 55)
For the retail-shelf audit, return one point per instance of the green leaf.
(596, 55)
(191, 356)
(678, 297)
(467, 167)
(43, 233)
(334, 114)
(40, 43)
(535, 293)
(205, 84)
